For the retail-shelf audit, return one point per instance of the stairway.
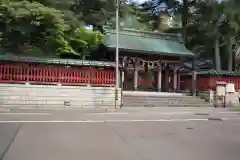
(153, 99)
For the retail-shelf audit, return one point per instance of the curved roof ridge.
(148, 34)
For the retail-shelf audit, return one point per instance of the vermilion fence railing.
(56, 74)
(208, 82)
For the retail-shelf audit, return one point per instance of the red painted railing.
(56, 74)
(205, 82)
(228, 79)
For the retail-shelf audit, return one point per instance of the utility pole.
(117, 54)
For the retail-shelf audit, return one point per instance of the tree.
(154, 19)
(33, 24)
(209, 20)
(94, 12)
(30, 28)
(84, 41)
(219, 23)
(232, 28)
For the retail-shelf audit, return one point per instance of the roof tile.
(148, 42)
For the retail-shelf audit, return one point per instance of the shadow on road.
(8, 132)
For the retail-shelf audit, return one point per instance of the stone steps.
(163, 101)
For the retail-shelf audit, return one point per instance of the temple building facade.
(150, 61)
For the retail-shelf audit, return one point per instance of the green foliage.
(156, 16)
(83, 40)
(33, 28)
(26, 23)
(209, 27)
(94, 12)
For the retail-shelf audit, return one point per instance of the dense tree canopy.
(31, 27)
(209, 27)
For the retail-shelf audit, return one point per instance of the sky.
(139, 1)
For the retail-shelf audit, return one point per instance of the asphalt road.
(120, 136)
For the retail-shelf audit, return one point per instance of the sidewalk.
(200, 110)
(172, 109)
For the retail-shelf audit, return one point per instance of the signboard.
(220, 90)
(230, 88)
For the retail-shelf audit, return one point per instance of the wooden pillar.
(175, 78)
(159, 84)
(166, 79)
(194, 77)
(178, 81)
(135, 83)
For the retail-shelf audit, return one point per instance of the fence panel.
(43, 74)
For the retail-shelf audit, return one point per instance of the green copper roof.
(213, 72)
(221, 73)
(11, 57)
(148, 42)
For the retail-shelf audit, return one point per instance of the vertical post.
(178, 81)
(194, 77)
(175, 77)
(122, 82)
(117, 54)
(166, 79)
(159, 78)
(135, 85)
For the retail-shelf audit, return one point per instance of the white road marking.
(9, 113)
(108, 113)
(226, 119)
(169, 113)
(145, 113)
(159, 112)
(228, 112)
(102, 121)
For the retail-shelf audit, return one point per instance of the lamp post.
(117, 54)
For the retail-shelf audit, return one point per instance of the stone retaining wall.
(57, 96)
(210, 96)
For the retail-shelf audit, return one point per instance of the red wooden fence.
(57, 74)
(205, 82)
(228, 79)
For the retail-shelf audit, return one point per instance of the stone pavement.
(126, 135)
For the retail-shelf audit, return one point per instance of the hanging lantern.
(150, 65)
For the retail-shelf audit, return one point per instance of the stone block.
(56, 102)
(55, 95)
(36, 102)
(15, 102)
